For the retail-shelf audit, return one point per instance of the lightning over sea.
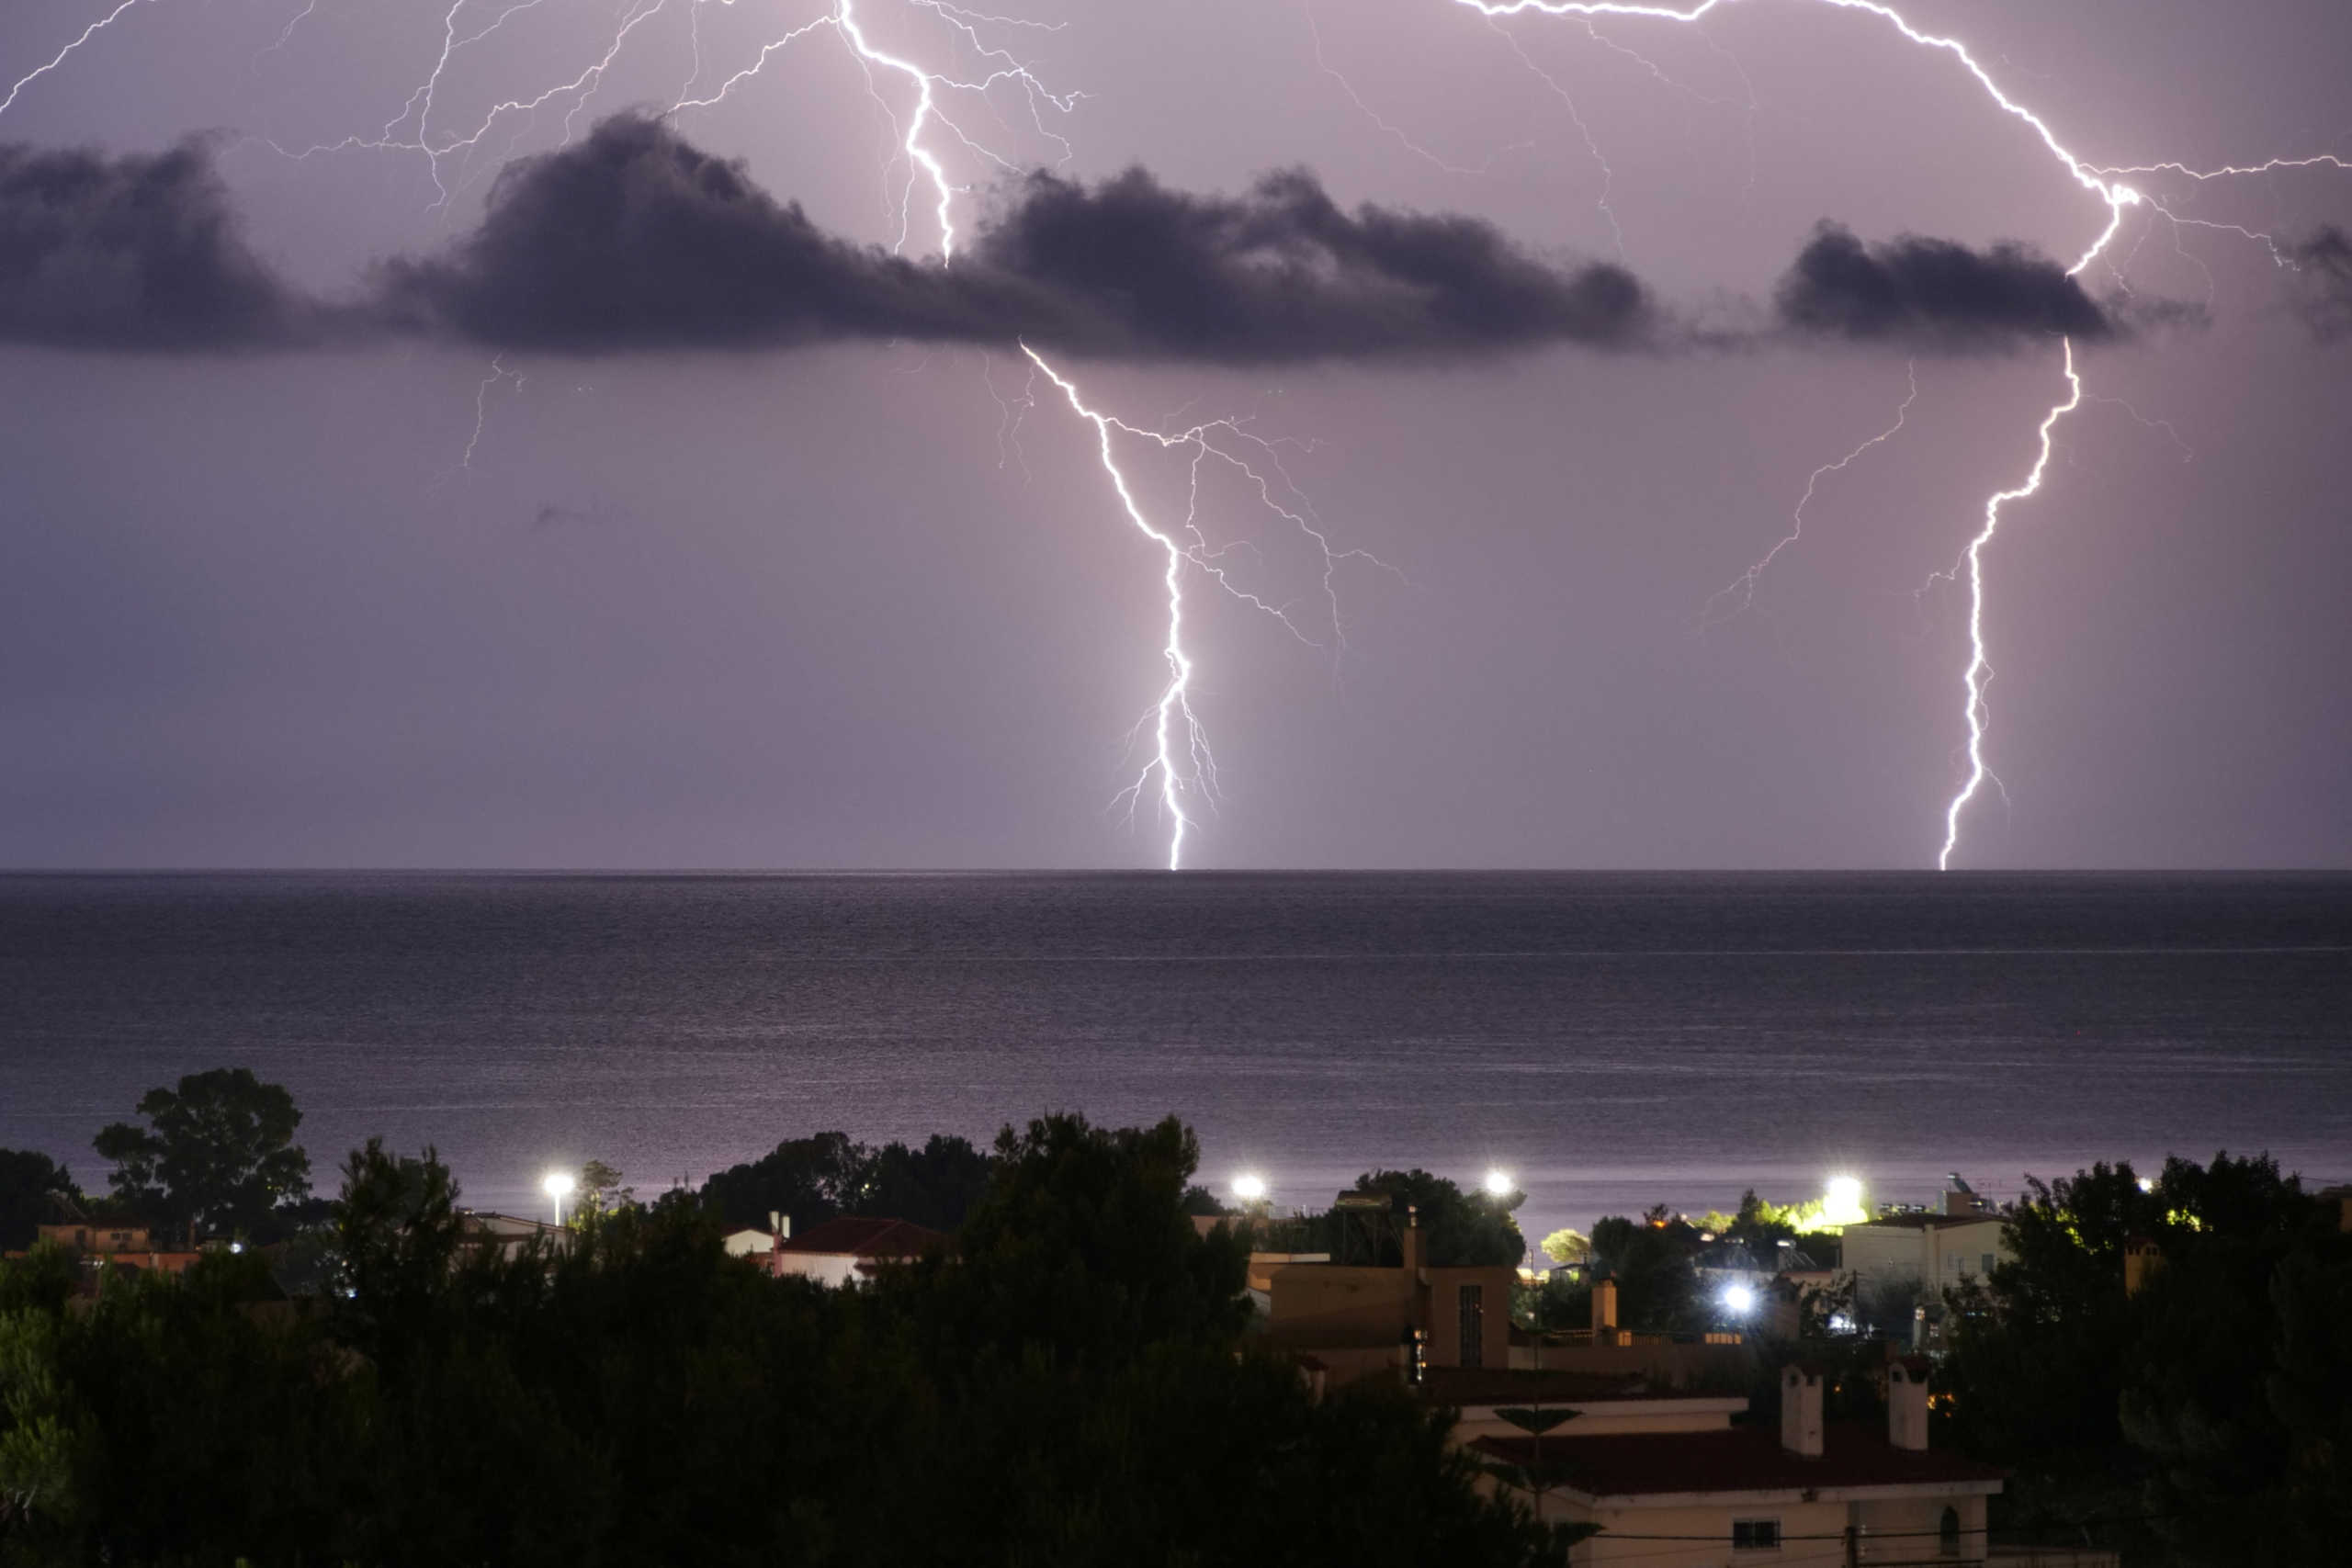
(960, 117)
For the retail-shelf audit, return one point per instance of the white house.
(851, 1248)
(1674, 1484)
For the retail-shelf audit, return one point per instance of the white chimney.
(1906, 1404)
(1801, 1409)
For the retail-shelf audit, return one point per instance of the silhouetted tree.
(30, 1186)
(217, 1154)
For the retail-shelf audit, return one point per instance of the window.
(1987, 1271)
(1472, 1304)
(1755, 1534)
(1948, 1533)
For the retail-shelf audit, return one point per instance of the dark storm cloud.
(141, 252)
(636, 239)
(1284, 273)
(2324, 298)
(1932, 293)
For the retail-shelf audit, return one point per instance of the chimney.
(1604, 1312)
(779, 1225)
(1906, 1402)
(1413, 1240)
(1801, 1409)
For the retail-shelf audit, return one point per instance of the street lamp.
(1739, 1299)
(1250, 1189)
(1498, 1184)
(558, 1184)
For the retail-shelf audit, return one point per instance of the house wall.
(1897, 1530)
(1709, 1527)
(1444, 1297)
(834, 1269)
(1938, 1256)
(1906, 1530)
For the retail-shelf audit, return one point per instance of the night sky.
(627, 485)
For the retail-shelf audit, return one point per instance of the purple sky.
(837, 606)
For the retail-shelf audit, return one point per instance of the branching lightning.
(2104, 182)
(1182, 767)
(1979, 670)
(1182, 771)
(1174, 709)
(1744, 587)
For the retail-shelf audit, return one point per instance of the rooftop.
(1928, 1222)
(1740, 1458)
(854, 1235)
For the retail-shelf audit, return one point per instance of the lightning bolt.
(1182, 766)
(1744, 586)
(59, 59)
(1979, 670)
(2117, 197)
(1174, 709)
(1182, 770)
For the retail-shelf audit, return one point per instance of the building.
(851, 1248)
(1933, 1250)
(753, 1242)
(1357, 1320)
(1673, 1483)
(101, 1245)
(510, 1233)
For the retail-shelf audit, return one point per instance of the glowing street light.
(1250, 1189)
(1842, 1204)
(557, 1185)
(1498, 1183)
(1740, 1300)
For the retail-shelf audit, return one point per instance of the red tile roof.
(1513, 1385)
(1742, 1459)
(856, 1237)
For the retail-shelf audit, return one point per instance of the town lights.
(1498, 1184)
(1739, 1299)
(1842, 1204)
(558, 1184)
(1250, 1189)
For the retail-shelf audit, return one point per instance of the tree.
(2207, 1401)
(1460, 1229)
(600, 1192)
(1652, 1259)
(217, 1154)
(809, 1180)
(31, 1182)
(935, 1185)
(1568, 1247)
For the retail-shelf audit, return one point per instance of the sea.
(1610, 1041)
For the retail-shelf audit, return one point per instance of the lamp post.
(556, 1186)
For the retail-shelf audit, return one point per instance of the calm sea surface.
(1613, 1040)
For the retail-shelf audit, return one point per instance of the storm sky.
(631, 485)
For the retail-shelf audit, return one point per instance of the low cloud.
(636, 239)
(1933, 293)
(143, 252)
(2323, 295)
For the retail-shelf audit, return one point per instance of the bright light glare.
(557, 1184)
(1842, 1204)
(1498, 1183)
(1248, 1189)
(2147, 1184)
(1739, 1298)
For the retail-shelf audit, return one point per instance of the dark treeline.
(2213, 1406)
(1073, 1386)
(1071, 1380)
